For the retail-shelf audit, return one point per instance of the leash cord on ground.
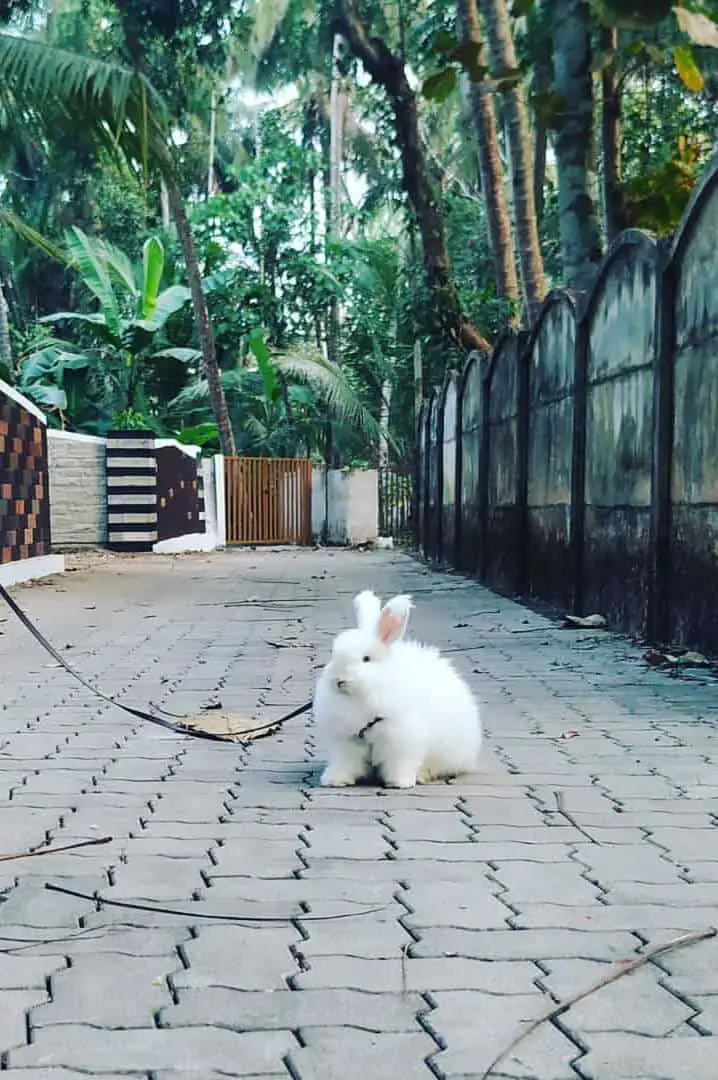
(95, 842)
(140, 714)
(200, 916)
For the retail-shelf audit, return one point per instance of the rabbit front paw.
(334, 776)
(400, 778)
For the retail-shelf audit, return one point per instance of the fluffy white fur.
(430, 725)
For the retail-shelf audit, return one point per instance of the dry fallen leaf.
(693, 659)
(234, 727)
(587, 622)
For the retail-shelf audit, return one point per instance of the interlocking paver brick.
(523, 944)
(14, 1005)
(480, 896)
(641, 1057)
(29, 972)
(640, 863)
(356, 1054)
(441, 903)
(72, 1074)
(548, 883)
(124, 994)
(637, 1003)
(476, 1026)
(98, 1050)
(288, 1010)
(240, 957)
(639, 918)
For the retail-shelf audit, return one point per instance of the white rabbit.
(394, 706)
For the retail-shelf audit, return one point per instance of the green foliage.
(206, 436)
(116, 342)
(101, 325)
(656, 200)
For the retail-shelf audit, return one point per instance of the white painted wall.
(78, 488)
(362, 506)
(353, 505)
(15, 573)
(220, 500)
(190, 451)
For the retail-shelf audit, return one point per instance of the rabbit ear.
(394, 619)
(367, 608)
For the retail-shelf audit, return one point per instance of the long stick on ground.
(627, 967)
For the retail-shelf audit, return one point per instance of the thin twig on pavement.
(627, 967)
(404, 949)
(558, 795)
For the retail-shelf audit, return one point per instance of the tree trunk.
(204, 326)
(504, 63)
(540, 146)
(337, 113)
(418, 378)
(580, 235)
(309, 125)
(5, 345)
(384, 413)
(490, 166)
(613, 203)
(539, 29)
(164, 204)
(212, 145)
(387, 70)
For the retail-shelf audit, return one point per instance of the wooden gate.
(268, 500)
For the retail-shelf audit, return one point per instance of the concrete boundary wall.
(582, 459)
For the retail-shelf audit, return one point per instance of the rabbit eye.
(366, 659)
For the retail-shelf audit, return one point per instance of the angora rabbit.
(394, 706)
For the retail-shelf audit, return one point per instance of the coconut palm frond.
(377, 271)
(27, 233)
(340, 396)
(118, 264)
(197, 392)
(116, 107)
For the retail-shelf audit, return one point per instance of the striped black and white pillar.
(201, 508)
(131, 491)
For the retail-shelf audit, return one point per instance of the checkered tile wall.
(24, 494)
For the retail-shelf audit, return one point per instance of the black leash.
(140, 714)
(361, 735)
(207, 916)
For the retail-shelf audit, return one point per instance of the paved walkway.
(415, 933)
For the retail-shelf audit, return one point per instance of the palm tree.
(504, 66)
(490, 166)
(120, 111)
(285, 420)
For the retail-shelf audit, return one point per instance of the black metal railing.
(397, 509)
